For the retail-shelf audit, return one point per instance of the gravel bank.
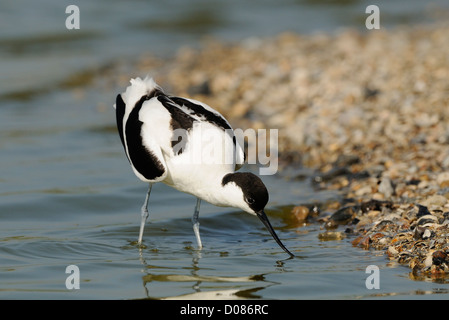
(369, 112)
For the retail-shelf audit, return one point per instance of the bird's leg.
(144, 214)
(196, 224)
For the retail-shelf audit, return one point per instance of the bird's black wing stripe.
(145, 162)
(179, 120)
(120, 113)
(200, 111)
(209, 116)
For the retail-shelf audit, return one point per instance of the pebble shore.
(369, 112)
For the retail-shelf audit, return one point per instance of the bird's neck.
(224, 195)
(214, 192)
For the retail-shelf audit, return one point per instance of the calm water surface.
(68, 195)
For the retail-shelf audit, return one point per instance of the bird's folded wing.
(204, 113)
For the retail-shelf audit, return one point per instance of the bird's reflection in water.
(202, 286)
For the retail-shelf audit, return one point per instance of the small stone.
(240, 109)
(428, 218)
(386, 187)
(201, 89)
(392, 252)
(362, 191)
(436, 199)
(428, 261)
(419, 231)
(427, 234)
(331, 235)
(438, 257)
(373, 213)
(378, 196)
(364, 243)
(422, 211)
(373, 205)
(443, 177)
(444, 184)
(377, 236)
(343, 215)
(344, 160)
(301, 212)
(356, 241)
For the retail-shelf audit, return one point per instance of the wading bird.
(164, 140)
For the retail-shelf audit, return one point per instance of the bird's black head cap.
(254, 191)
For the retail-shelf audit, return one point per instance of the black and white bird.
(189, 146)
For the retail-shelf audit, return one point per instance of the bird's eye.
(250, 200)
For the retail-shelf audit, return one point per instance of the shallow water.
(69, 197)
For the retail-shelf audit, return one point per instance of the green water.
(69, 197)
